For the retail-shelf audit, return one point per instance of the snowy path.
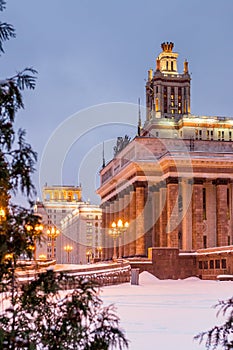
(165, 315)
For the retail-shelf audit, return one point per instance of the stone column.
(163, 216)
(222, 219)
(132, 226)
(103, 229)
(126, 217)
(155, 216)
(121, 216)
(140, 227)
(172, 212)
(197, 209)
(187, 215)
(211, 211)
(111, 219)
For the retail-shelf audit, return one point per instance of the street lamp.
(68, 248)
(53, 232)
(88, 254)
(99, 250)
(116, 230)
(38, 228)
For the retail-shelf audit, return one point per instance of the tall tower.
(167, 91)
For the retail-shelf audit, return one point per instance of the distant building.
(82, 233)
(56, 203)
(173, 181)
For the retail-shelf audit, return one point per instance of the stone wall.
(169, 264)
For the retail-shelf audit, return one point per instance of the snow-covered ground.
(165, 315)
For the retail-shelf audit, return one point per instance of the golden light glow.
(8, 256)
(53, 232)
(68, 248)
(42, 257)
(119, 223)
(2, 213)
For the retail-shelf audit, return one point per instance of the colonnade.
(189, 214)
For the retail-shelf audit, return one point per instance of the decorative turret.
(167, 91)
(167, 47)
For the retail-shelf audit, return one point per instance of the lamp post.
(68, 248)
(88, 254)
(116, 230)
(38, 228)
(99, 250)
(53, 232)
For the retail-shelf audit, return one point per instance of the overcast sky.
(92, 52)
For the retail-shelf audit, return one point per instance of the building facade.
(173, 182)
(57, 202)
(82, 235)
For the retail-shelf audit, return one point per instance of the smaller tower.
(167, 91)
(139, 118)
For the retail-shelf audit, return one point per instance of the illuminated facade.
(56, 203)
(173, 181)
(81, 229)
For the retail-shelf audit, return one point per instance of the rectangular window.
(222, 135)
(204, 241)
(200, 265)
(224, 263)
(230, 135)
(229, 240)
(217, 264)
(205, 265)
(208, 134)
(219, 135)
(211, 264)
(212, 134)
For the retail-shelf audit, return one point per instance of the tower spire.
(103, 157)
(139, 118)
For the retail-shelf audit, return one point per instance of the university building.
(172, 182)
(72, 228)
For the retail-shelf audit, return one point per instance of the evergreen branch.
(7, 31)
(2, 5)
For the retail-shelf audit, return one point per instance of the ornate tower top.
(167, 47)
(167, 90)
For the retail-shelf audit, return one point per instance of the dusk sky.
(91, 53)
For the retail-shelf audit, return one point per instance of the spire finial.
(139, 118)
(103, 156)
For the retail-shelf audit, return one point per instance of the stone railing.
(102, 273)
